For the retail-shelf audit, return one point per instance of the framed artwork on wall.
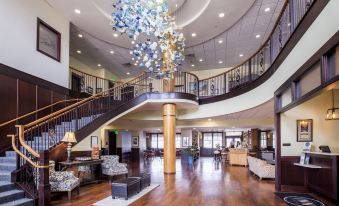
(305, 130)
(48, 40)
(135, 141)
(94, 141)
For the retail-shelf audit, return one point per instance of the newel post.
(44, 186)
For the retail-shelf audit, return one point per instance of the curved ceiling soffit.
(226, 30)
(182, 24)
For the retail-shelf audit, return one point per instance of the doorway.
(112, 143)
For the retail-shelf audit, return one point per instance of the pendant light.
(332, 113)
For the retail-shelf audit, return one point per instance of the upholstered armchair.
(63, 181)
(112, 167)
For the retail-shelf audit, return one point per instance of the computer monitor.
(325, 149)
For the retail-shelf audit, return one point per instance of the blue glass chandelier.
(163, 51)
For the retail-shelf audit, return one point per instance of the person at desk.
(232, 143)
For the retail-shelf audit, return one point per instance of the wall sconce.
(332, 113)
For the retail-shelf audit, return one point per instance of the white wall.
(18, 36)
(324, 132)
(78, 65)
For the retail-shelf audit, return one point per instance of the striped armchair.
(111, 166)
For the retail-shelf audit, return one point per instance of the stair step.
(11, 195)
(5, 186)
(10, 154)
(7, 159)
(20, 202)
(9, 167)
(5, 176)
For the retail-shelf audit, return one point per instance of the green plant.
(192, 150)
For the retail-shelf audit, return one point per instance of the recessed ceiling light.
(128, 73)
(176, 5)
(220, 41)
(79, 51)
(135, 64)
(288, 24)
(210, 119)
(192, 65)
(194, 34)
(267, 9)
(77, 11)
(115, 35)
(80, 35)
(241, 55)
(220, 62)
(132, 42)
(112, 52)
(201, 60)
(221, 15)
(257, 36)
(158, 69)
(99, 65)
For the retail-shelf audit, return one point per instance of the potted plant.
(192, 152)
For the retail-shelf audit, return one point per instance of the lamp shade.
(69, 137)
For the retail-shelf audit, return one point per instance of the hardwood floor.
(205, 183)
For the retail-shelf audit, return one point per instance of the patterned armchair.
(63, 181)
(112, 167)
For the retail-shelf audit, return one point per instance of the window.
(212, 139)
(160, 141)
(154, 141)
(178, 141)
(186, 141)
(263, 140)
(208, 142)
(217, 139)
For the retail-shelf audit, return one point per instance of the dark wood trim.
(17, 74)
(277, 123)
(303, 26)
(41, 22)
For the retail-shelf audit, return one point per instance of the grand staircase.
(9, 194)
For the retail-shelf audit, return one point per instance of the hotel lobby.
(169, 102)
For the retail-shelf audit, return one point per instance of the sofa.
(261, 168)
(112, 167)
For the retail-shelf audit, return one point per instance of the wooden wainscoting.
(291, 175)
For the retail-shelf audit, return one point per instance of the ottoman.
(126, 187)
(145, 180)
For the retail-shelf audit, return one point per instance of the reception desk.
(321, 175)
(238, 157)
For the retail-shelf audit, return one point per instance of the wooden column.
(169, 115)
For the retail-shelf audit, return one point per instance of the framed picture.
(135, 141)
(305, 130)
(48, 40)
(94, 141)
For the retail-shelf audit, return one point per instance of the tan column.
(169, 116)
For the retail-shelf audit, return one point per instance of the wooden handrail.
(22, 141)
(38, 110)
(24, 156)
(78, 103)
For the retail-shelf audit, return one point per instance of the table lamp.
(69, 138)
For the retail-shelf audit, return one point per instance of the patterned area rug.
(295, 199)
(121, 201)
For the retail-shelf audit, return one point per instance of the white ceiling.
(243, 20)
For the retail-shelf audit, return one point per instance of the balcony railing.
(255, 66)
